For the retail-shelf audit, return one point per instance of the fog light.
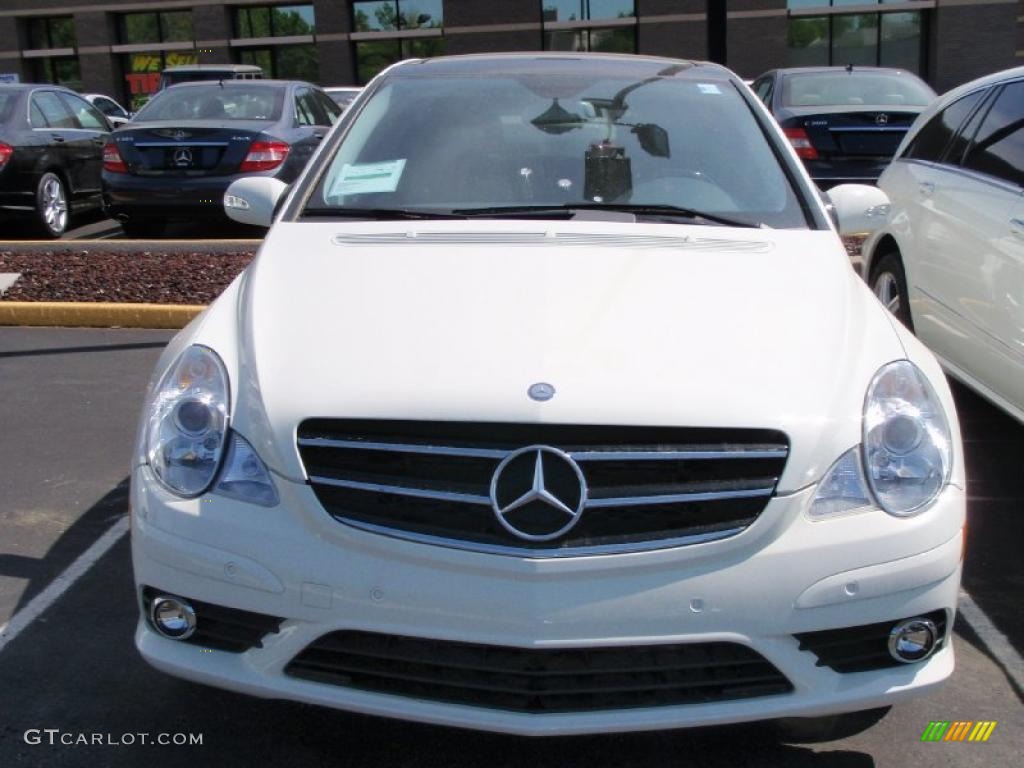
(173, 618)
(913, 640)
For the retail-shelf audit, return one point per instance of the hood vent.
(545, 238)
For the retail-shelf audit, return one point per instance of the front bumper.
(783, 575)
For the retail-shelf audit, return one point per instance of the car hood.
(637, 325)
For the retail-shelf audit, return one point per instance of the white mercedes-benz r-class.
(552, 404)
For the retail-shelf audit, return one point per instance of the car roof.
(32, 86)
(849, 70)
(232, 83)
(213, 68)
(625, 64)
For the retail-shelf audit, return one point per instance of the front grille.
(647, 487)
(539, 680)
(863, 648)
(220, 628)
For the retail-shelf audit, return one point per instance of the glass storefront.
(374, 55)
(861, 39)
(619, 39)
(142, 69)
(395, 16)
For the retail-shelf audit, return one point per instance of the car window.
(36, 117)
(931, 141)
(239, 101)
(305, 108)
(109, 108)
(53, 110)
(835, 89)
(588, 137)
(763, 89)
(998, 147)
(328, 107)
(88, 116)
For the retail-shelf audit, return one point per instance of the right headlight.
(906, 440)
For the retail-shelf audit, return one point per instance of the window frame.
(64, 107)
(987, 104)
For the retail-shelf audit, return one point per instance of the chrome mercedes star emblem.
(183, 156)
(541, 391)
(179, 135)
(538, 493)
(882, 119)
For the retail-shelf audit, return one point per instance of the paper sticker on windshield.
(365, 178)
(709, 88)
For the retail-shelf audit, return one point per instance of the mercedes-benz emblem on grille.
(541, 391)
(183, 157)
(882, 119)
(538, 493)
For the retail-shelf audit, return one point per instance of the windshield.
(459, 142)
(215, 102)
(837, 89)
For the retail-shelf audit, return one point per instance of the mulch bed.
(94, 274)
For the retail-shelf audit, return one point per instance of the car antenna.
(849, 67)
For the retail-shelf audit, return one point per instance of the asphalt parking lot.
(69, 400)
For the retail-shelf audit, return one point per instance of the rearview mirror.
(653, 139)
(859, 209)
(253, 200)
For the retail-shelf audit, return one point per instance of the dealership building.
(118, 47)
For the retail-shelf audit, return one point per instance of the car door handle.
(927, 189)
(57, 137)
(98, 141)
(1017, 227)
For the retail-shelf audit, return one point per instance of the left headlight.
(906, 441)
(188, 422)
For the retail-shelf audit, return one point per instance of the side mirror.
(253, 200)
(859, 209)
(117, 122)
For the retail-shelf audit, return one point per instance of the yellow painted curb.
(87, 314)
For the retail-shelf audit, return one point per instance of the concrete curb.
(88, 314)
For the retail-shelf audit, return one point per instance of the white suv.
(550, 405)
(950, 260)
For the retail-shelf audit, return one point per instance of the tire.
(889, 284)
(813, 730)
(142, 228)
(52, 210)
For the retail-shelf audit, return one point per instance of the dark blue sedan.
(844, 122)
(182, 150)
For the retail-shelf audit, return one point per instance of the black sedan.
(51, 153)
(844, 122)
(182, 150)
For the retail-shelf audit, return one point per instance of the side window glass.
(53, 110)
(107, 107)
(88, 116)
(331, 110)
(763, 89)
(998, 147)
(304, 108)
(931, 141)
(36, 116)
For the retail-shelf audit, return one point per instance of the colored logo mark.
(958, 730)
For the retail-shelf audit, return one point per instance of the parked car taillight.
(264, 156)
(801, 143)
(112, 160)
(6, 150)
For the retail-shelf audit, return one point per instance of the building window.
(416, 24)
(575, 30)
(163, 30)
(397, 15)
(275, 21)
(291, 61)
(48, 34)
(861, 39)
(51, 32)
(165, 27)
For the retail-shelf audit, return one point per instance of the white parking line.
(997, 643)
(62, 583)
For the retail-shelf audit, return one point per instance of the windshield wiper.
(639, 209)
(380, 214)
